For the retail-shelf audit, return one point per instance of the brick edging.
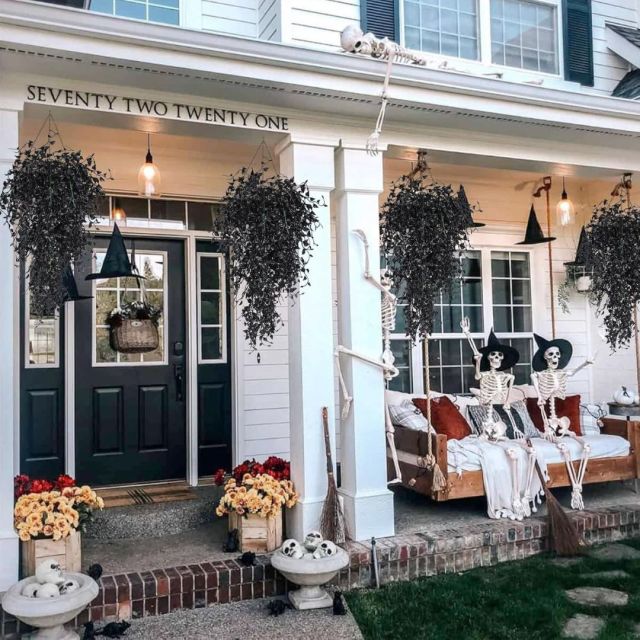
(402, 557)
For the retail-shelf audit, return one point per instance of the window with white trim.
(523, 34)
(163, 11)
(494, 291)
(212, 339)
(43, 337)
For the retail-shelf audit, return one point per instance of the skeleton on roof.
(386, 363)
(550, 381)
(491, 365)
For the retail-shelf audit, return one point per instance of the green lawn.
(515, 601)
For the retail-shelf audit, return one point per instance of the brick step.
(403, 557)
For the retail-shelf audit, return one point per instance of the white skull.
(552, 356)
(48, 590)
(69, 586)
(351, 36)
(30, 590)
(49, 571)
(325, 549)
(312, 540)
(292, 549)
(495, 359)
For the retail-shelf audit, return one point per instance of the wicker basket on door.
(134, 336)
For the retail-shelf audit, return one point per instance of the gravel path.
(248, 620)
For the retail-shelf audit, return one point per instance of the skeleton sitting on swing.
(550, 382)
(491, 365)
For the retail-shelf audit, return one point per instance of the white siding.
(609, 68)
(231, 17)
(319, 23)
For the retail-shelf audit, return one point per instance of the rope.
(439, 482)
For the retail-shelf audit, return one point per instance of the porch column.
(9, 354)
(367, 501)
(310, 334)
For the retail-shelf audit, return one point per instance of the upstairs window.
(163, 11)
(449, 27)
(524, 35)
(514, 33)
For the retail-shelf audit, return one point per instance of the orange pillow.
(445, 417)
(569, 407)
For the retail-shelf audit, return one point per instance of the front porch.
(148, 576)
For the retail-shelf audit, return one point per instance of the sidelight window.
(43, 337)
(212, 339)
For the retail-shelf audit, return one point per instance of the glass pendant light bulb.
(149, 181)
(565, 211)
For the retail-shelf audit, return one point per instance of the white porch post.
(9, 353)
(311, 344)
(367, 501)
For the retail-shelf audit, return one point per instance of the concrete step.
(157, 519)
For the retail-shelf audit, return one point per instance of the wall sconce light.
(565, 211)
(149, 181)
(118, 214)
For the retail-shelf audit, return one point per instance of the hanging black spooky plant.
(423, 231)
(267, 223)
(49, 197)
(614, 234)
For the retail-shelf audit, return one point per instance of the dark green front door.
(130, 420)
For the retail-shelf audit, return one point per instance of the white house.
(514, 90)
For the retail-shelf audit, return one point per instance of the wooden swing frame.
(412, 444)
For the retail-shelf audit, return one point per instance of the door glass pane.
(115, 292)
(211, 344)
(43, 341)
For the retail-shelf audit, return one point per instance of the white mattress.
(602, 446)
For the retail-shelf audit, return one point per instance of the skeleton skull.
(312, 540)
(68, 586)
(47, 590)
(49, 572)
(30, 590)
(552, 357)
(292, 549)
(495, 359)
(325, 549)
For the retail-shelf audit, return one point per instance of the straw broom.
(332, 525)
(564, 538)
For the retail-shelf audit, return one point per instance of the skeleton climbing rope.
(386, 363)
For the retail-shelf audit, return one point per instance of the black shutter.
(578, 41)
(381, 17)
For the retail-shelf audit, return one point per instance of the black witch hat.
(583, 252)
(533, 234)
(511, 355)
(566, 351)
(465, 207)
(116, 263)
(71, 286)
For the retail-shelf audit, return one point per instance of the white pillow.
(408, 415)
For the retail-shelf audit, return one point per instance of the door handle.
(178, 374)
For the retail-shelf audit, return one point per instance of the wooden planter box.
(67, 553)
(257, 534)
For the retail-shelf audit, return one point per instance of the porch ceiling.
(76, 45)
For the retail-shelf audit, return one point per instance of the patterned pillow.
(517, 418)
(406, 414)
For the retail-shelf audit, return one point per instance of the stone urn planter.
(49, 615)
(310, 574)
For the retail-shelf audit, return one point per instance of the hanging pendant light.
(565, 211)
(149, 181)
(118, 214)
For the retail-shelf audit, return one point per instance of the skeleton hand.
(465, 325)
